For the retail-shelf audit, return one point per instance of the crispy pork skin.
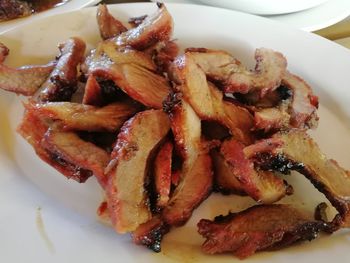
(108, 25)
(62, 82)
(75, 116)
(150, 234)
(263, 227)
(70, 149)
(25, 80)
(154, 28)
(162, 173)
(295, 150)
(127, 198)
(262, 186)
(196, 175)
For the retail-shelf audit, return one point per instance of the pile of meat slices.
(161, 131)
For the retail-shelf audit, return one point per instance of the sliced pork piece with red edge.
(128, 201)
(295, 150)
(196, 176)
(62, 82)
(25, 80)
(263, 227)
(70, 116)
(108, 25)
(154, 28)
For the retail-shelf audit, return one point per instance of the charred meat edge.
(295, 150)
(62, 82)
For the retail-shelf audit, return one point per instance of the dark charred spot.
(284, 92)
(77, 173)
(153, 238)
(224, 218)
(103, 140)
(321, 213)
(59, 90)
(213, 130)
(171, 100)
(279, 163)
(159, 4)
(109, 91)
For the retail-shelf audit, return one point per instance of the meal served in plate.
(162, 129)
(11, 9)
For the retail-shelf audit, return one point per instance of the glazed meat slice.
(108, 25)
(69, 149)
(153, 29)
(272, 119)
(33, 129)
(262, 186)
(263, 227)
(150, 234)
(234, 77)
(132, 71)
(139, 83)
(164, 53)
(303, 105)
(296, 150)
(11, 9)
(196, 174)
(207, 101)
(162, 173)
(75, 116)
(108, 53)
(126, 195)
(62, 82)
(92, 93)
(224, 179)
(25, 80)
(298, 110)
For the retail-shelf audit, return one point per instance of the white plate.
(71, 232)
(264, 7)
(309, 20)
(69, 6)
